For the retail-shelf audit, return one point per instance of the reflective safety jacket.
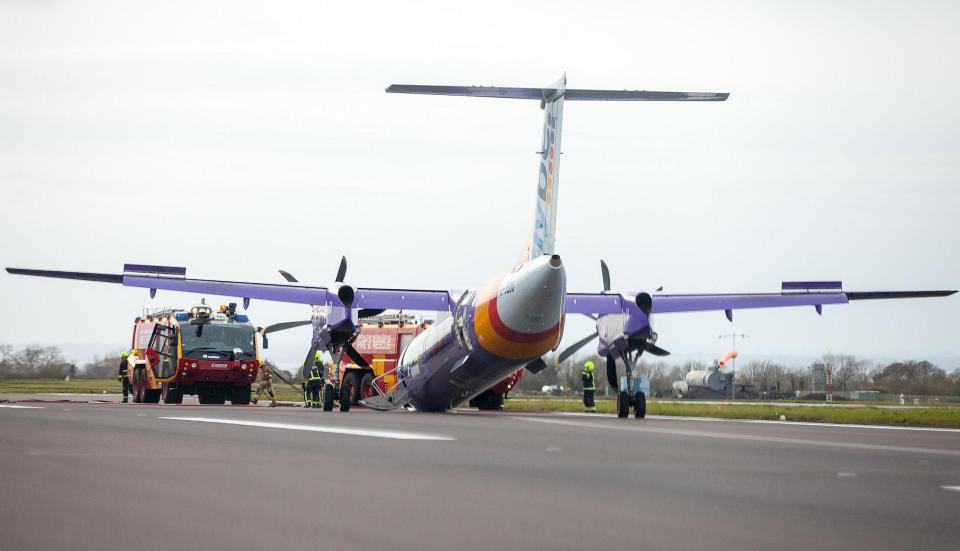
(266, 374)
(316, 372)
(123, 367)
(589, 381)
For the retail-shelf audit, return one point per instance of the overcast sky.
(236, 139)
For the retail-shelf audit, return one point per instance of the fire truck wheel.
(354, 383)
(328, 397)
(151, 396)
(623, 404)
(346, 393)
(640, 408)
(240, 396)
(172, 395)
(366, 386)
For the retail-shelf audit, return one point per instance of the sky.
(239, 138)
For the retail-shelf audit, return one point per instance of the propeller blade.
(342, 272)
(369, 312)
(355, 356)
(612, 373)
(655, 350)
(606, 276)
(572, 349)
(284, 325)
(286, 275)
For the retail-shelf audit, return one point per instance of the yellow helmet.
(124, 354)
(317, 356)
(588, 365)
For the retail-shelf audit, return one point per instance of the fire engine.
(213, 355)
(381, 341)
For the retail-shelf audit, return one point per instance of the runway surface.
(96, 476)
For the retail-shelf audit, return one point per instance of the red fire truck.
(381, 341)
(213, 355)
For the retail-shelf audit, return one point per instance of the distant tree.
(764, 375)
(797, 378)
(914, 377)
(39, 362)
(102, 367)
(6, 352)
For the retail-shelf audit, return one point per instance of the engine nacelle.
(344, 293)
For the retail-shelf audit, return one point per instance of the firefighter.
(266, 384)
(122, 375)
(311, 396)
(589, 387)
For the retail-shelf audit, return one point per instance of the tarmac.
(106, 475)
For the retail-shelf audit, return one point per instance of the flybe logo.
(545, 185)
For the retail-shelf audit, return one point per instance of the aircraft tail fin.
(551, 101)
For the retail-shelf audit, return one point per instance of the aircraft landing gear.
(629, 393)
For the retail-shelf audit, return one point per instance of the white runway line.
(951, 488)
(393, 435)
(747, 437)
(17, 406)
(760, 422)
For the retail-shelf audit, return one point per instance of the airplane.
(517, 317)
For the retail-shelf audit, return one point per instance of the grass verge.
(936, 417)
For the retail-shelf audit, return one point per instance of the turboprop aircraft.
(518, 316)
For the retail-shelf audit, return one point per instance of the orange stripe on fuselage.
(495, 337)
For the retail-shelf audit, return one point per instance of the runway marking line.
(17, 406)
(372, 433)
(760, 422)
(746, 437)
(951, 488)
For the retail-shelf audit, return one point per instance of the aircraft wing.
(814, 294)
(174, 279)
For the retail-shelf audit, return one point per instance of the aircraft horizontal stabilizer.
(542, 94)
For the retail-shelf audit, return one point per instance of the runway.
(95, 476)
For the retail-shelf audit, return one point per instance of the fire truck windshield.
(216, 339)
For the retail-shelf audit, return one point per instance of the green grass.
(30, 386)
(937, 417)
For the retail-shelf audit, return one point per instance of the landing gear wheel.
(623, 404)
(240, 395)
(171, 395)
(640, 407)
(346, 391)
(328, 397)
(366, 387)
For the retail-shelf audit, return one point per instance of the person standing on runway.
(589, 387)
(122, 375)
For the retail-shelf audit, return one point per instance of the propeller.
(646, 341)
(355, 356)
(282, 326)
(573, 348)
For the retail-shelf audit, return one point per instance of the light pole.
(733, 368)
